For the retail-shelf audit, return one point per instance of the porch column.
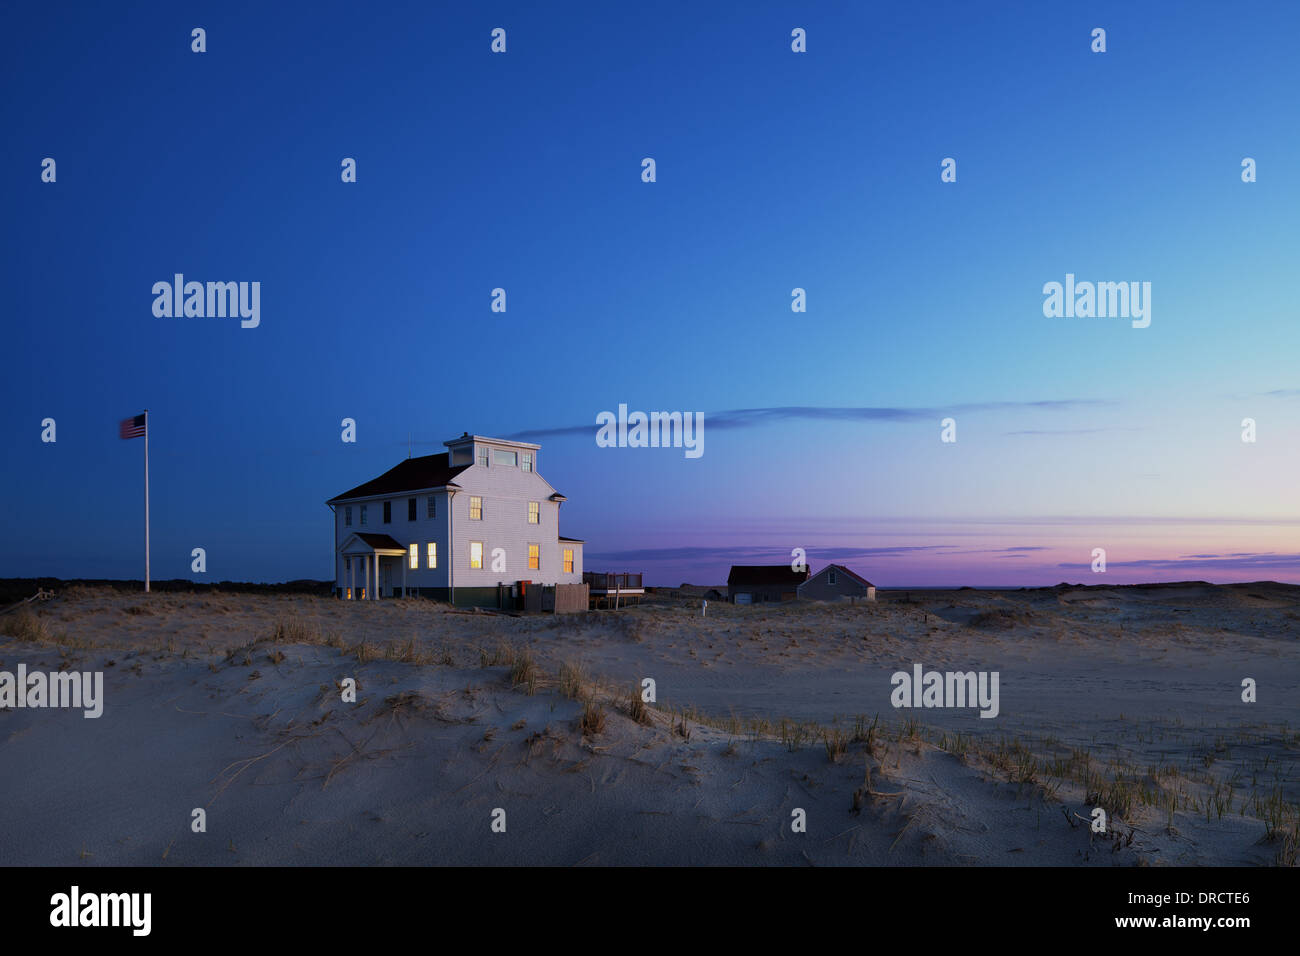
(405, 562)
(352, 579)
(370, 592)
(376, 576)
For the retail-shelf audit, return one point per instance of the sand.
(1127, 698)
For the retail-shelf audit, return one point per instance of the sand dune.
(1123, 698)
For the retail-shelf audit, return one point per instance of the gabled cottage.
(835, 582)
(763, 583)
(459, 526)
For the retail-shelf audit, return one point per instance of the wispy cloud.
(757, 417)
(1070, 431)
(1016, 552)
(1271, 393)
(1223, 562)
(757, 554)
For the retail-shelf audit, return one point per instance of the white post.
(146, 501)
(404, 564)
(352, 579)
(451, 550)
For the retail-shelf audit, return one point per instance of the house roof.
(413, 474)
(579, 540)
(380, 541)
(846, 571)
(765, 575)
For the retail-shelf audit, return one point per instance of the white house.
(465, 526)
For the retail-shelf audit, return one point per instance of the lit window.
(483, 456)
(476, 554)
(528, 461)
(433, 507)
(347, 517)
(363, 514)
(475, 508)
(415, 554)
(432, 549)
(388, 512)
(568, 560)
(534, 557)
(500, 457)
(410, 509)
(534, 512)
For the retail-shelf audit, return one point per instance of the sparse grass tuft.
(636, 708)
(25, 626)
(593, 719)
(836, 742)
(523, 670)
(293, 630)
(573, 680)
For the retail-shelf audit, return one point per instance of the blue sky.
(775, 170)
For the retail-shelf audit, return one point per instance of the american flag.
(131, 427)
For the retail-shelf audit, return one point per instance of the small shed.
(763, 583)
(835, 582)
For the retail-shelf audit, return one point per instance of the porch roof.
(365, 542)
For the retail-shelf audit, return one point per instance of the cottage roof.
(765, 575)
(846, 571)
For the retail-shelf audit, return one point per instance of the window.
(347, 565)
(830, 577)
(501, 457)
(476, 554)
(433, 507)
(483, 456)
(528, 461)
(568, 560)
(534, 557)
(388, 512)
(432, 548)
(534, 512)
(415, 554)
(410, 509)
(475, 508)
(347, 517)
(363, 514)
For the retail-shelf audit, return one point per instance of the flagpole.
(146, 501)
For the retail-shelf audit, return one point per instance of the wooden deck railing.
(604, 581)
